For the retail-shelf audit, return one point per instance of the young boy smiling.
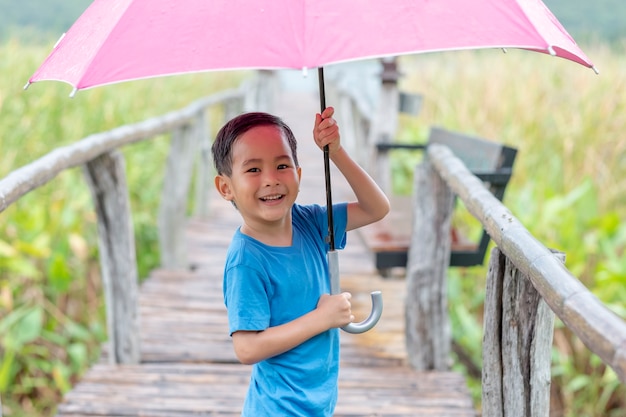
(276, 284)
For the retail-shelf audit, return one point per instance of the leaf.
(59, 274)
(578, 382)
(78, 331)
(22, 326)
(29, 327)
(38, 249)
(59, 375)
(23, 266)
(6, 366)
(13, 317)
(78, 355)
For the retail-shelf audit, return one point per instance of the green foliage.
(52, 319)
(568, 186)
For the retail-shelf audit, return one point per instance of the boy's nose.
(270, 179)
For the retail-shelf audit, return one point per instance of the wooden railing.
(103, 165)
(523, 274)
(527, 284)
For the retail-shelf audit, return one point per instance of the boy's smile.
(264, 182)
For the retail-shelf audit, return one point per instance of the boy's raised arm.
(372, 204)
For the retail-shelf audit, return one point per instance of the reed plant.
(568, 187)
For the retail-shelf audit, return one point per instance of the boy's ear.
(222, 184)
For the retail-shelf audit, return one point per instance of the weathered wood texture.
(427, 324)
(601, 330)
(173, 214)
(188, 367)
(517, 342)
(204, 170)
(106, 177)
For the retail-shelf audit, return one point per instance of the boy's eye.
(283, 166)
(254, 170)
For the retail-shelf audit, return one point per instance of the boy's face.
(264, 182)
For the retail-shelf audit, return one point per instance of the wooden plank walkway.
(188, 366)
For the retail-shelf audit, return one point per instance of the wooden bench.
(389, 238)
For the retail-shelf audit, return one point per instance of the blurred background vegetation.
(568, 188)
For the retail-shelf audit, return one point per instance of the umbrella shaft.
(329, 195)
(329, 201)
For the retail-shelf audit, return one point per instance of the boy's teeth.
(273, 197)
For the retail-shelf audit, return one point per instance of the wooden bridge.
(169, 353)
(188, 367)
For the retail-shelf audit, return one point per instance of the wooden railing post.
(175, 196)
(385, 123)
(107, 180)
(427, 323)
(204, 179)
(517, 343)
(232, 108)
(265, 87)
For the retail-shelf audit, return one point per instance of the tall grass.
(568, 186)
(51, 310)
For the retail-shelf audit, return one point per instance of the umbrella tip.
(27, 85)
(305, 72)
(551, 50)
(73, 93)
(593, 67)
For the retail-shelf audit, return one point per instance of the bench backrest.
(490, 161)
(479, 155)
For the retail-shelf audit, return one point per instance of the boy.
(276, 282)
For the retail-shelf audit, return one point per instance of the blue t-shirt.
(265, 286)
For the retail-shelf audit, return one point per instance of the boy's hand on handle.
(326, 131)
(336, 309)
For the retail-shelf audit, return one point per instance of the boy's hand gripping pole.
(377, 298)
(333, 257)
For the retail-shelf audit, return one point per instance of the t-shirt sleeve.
(247, 299)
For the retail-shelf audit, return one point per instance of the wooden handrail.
(601, 330)
(40, 172)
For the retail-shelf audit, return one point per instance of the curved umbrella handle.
(372, 319)
(377, 298)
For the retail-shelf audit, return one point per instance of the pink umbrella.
(122, 40)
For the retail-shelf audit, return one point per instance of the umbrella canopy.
(121, 40)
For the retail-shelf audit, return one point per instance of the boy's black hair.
(233, 129)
